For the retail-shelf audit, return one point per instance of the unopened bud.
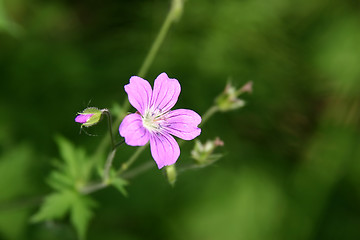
(248, 87)
(90, 116)
(171, 174)
(203, 153)
(228, 99)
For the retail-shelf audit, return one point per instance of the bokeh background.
(291, 165)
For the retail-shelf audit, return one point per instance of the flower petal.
(183, 123)
(165, 94)
(83, 118)
(131, 128)
(139, 93)
(164, 149)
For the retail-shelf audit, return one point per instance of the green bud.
(90, 116)
(203, 153)
(171, 174)
(228, 99)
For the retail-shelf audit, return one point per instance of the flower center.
(153, 121)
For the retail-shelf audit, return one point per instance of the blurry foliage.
(291, 166)
(16, 190)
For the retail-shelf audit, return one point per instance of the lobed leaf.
(55, 206)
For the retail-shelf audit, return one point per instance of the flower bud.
(228, 99)
(246, 88)
(171, 174)
(203, 153)
(90, 116)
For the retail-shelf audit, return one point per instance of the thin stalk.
(132, 159)
(107, 167)
(110, 128)
(138, 170)
(171, 16)
(208, 114)
(155, 47)
(93, 188)
(120, 143)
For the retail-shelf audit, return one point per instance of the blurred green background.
(291, 156)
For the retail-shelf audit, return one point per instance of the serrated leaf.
(55, 206)
(120, 184)
(81, 213)
(59, 181)
(77, 166)
(68, 154)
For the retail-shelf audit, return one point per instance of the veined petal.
(165, 94)
(164, 149)
(183, 123)
(132, 129)
(139, 93)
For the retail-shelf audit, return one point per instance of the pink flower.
(155, 121)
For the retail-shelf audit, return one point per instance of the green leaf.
(68, 154)
(55, 206)
(76, 166)
(58, 204)
(16, 189)
(60, 181)
(81, 213)
(120, 184)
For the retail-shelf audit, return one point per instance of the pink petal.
(131, 128)
(166, 93)
(83, 118)
(183, 123)
(164, 149)
(139, 93)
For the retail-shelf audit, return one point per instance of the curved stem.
(106, 111)
(208, 114)
(120, 143)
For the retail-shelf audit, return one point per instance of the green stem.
(106, 111)
(138, 170)
(107, 167)
(155, 47)
(120, 143)
(93, 188)
(170, 18)
(208, 114)
(132, 159)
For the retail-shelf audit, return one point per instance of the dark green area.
(291, 165)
